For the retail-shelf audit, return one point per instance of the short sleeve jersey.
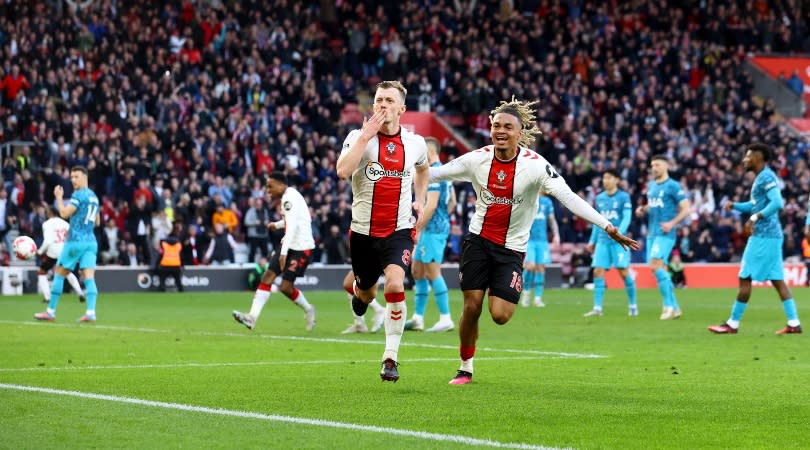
(83, 220)
(382, 184)
(663, 199)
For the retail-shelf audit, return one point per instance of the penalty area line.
(308, 339)
(247, 364)
(424, 435)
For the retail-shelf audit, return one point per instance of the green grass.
(659, 384)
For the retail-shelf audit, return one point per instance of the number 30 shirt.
(507, 193)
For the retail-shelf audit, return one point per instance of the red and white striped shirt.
(382, 184)
(508, 193)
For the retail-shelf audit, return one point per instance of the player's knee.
(501, 317)
(287, 288)
(395, 286)
(472, 309)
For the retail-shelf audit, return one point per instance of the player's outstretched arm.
(561, 191)
(456, 170)
(65, 211)
(623, 240)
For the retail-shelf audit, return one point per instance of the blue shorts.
(430, 248)
(83, 253)
(659, 247)
(537, 252)
(610, 254)
(762, 259)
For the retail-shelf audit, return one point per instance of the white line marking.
(466, 440)
(309, 339)
(248, 364)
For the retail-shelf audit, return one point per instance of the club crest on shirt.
(287, 206)
(501, 175)
(390, 148)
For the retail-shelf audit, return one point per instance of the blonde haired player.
(54, 233)
(507, 177)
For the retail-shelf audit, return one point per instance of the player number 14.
(92, 209)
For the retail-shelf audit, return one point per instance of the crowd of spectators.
(180, 109)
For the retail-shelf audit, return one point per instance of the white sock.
(43, 286)
(445, 318)
(794, 323)
(467, 365)
(74, 284)
(394, 328)
(91, 312)
(376, 306)
(302, 301)
(733, 323)
(51, 311)
(259, 300)
(417, 318)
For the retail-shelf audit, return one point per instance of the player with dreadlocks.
(507, 177)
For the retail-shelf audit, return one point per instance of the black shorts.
(294, 267)
(486, 265)
(46, 263)
(371, 255)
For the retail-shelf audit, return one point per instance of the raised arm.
(65, 211)
(357, 141)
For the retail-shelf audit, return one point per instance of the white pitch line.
(248, 364)
(455, 438)
(311, 339)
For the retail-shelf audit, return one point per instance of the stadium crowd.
(180, 110)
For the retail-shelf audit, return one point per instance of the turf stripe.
(251, 363)
(459, 439)
(309, 339)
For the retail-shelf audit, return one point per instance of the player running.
(388, 167)
(359, 323)
(292, 259)
(507, 177)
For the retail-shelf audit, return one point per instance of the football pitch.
(175, 370)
